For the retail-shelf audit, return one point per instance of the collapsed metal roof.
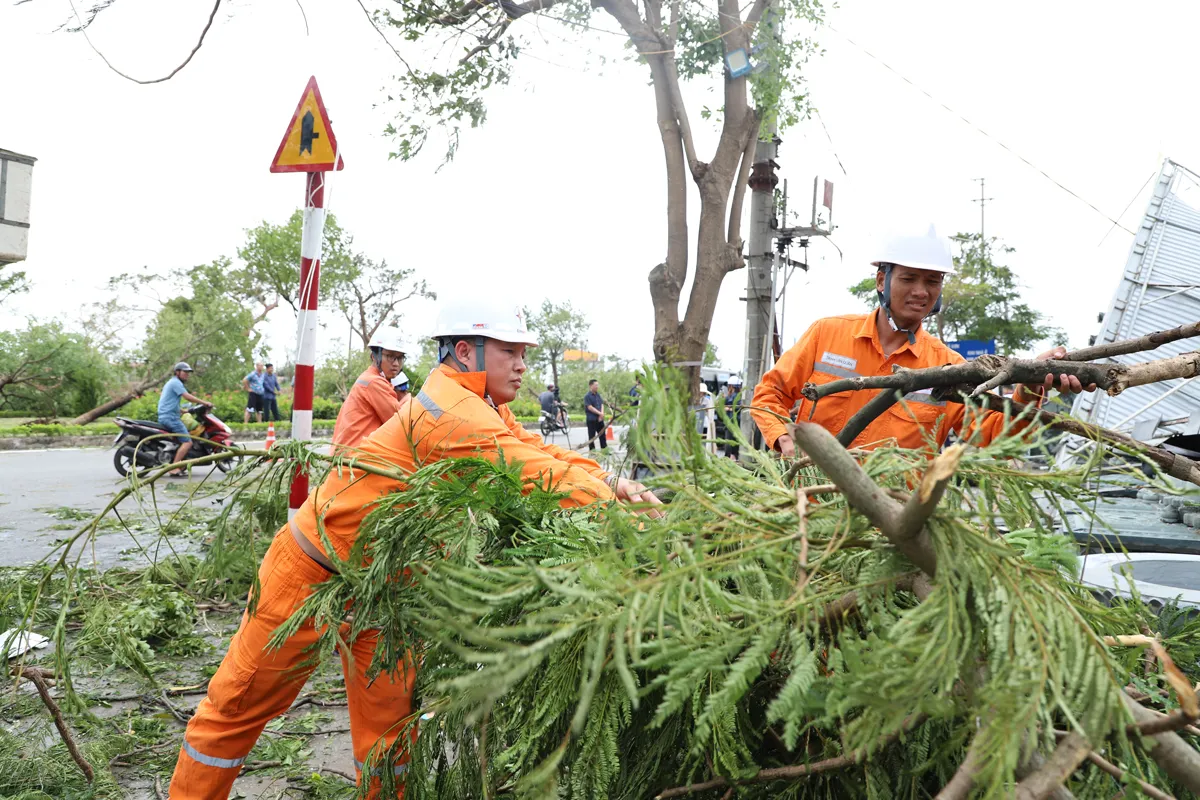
(1159, 289)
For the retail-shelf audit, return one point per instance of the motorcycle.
(549, 423)
(134, 442)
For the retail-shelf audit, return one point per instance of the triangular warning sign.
(309, 144)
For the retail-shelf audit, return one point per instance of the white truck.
(16, 183)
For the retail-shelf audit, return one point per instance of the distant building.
(16, 183)
(585, 356)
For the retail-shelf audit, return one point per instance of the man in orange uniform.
(372, 400)
(461, 411)
(909, 284)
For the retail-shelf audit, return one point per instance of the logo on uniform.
(478, 326)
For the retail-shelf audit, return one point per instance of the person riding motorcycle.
(372, 400)
(169, 416)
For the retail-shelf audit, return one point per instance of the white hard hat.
(931, 252)
(704, 388)
(390, 338)
(504, 323)
(400, 380)
(734, 380)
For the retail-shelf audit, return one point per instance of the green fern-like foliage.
(596, 653)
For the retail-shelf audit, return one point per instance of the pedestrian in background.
(253, 384)
(593, 404)
(270, 390)
(635, 394)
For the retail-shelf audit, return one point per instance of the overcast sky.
(560, 194)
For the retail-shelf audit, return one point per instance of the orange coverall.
(448, 419)
(370, 403)
(848, 347)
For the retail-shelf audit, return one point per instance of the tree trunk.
(112, 405)
(554, 369)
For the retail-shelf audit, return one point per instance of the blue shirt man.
(168, 401)
(253, 384)
(270, 387)
(168, 413)
(255, 379)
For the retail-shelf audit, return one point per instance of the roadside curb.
(105, 441)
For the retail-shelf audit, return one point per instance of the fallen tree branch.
(37, 676)
(902, 525)
(795, 771)
(1034, 762)
(1124, 777)
(1148, 342)
(866, 415)
(836, 610)
(1065, 759)
(1177, 758)
(804, 461)
(963, 780)
(1113, 378)
(763, 776)
(1173, 464)
(1172, 721)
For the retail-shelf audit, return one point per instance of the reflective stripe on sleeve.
(212, 761)
(830, 369)
(430, 406)
(398, 769)
(361, 382)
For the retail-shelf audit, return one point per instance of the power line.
(1132, 200)
(817, 112)
(1022, 158)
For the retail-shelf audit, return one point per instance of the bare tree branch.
(1114, 378)
(963, 780)
(893, 520)
(1177, 758)
(37, 676)
(1123, 776)
(796, 771)
(1139, 344)
(211, 16)
(1066, 758)
(739, 187)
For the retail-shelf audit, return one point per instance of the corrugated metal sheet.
(1159, 289)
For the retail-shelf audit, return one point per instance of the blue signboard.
(973, 348)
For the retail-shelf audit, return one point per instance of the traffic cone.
(270, 435)
(609, 436)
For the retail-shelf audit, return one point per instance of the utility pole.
(760, 261)
(760, 258)
(983, 201)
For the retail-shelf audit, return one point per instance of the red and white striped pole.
(306, 332)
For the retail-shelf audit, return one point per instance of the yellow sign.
(580, 355)
(309, 144)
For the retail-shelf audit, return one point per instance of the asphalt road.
(45, 496)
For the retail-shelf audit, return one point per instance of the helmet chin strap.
(446, 348)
